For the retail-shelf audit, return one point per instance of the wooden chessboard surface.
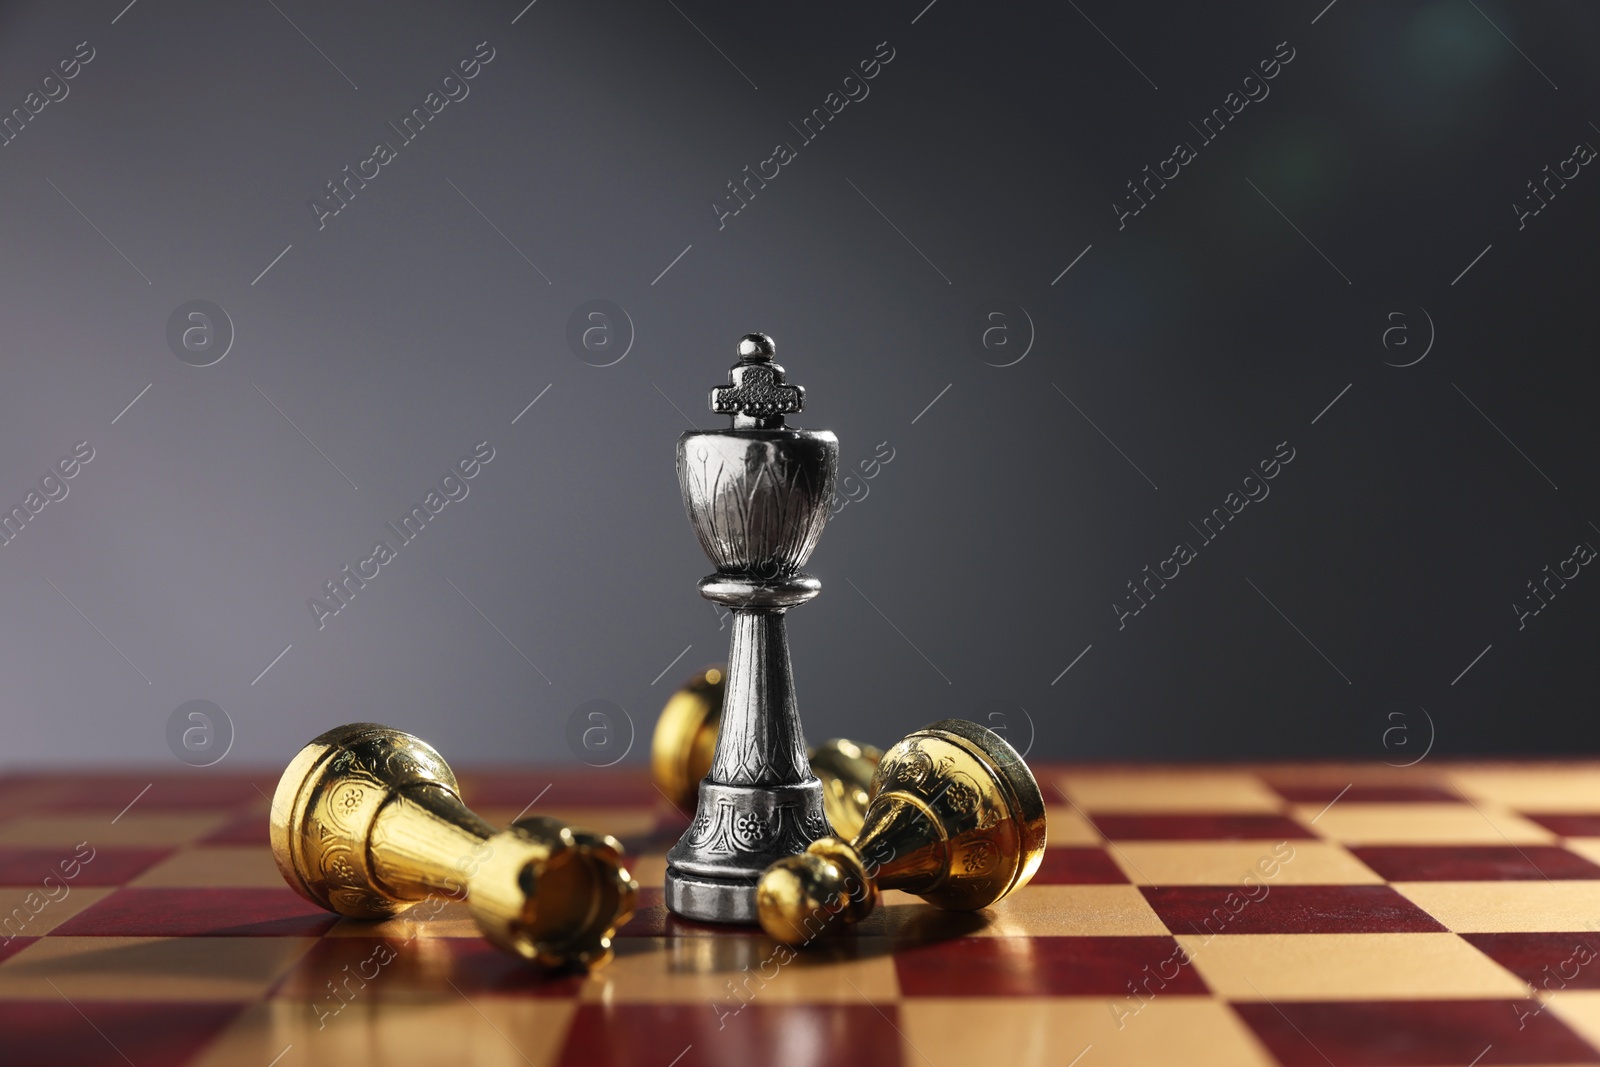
(1295, 915)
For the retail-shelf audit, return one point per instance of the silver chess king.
(758, 494)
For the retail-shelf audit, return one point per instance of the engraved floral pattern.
(752, 834)
(914, 768)
(979, 856)
(751, 829)
(961, 798)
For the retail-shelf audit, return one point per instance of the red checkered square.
(1546, 961)
(1474, 863)
(1586, 825)
(693, 1035)
(1078, 866)
(1045, 967)
(1199, 827)
(1402, 1033)
(199, 913)
(107, 866)
(108, 1034)
(1288, 909)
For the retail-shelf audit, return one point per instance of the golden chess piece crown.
(956, 817)
(368, 821)
(686, 737)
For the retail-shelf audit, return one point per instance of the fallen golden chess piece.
(686, 738)
(956, 818)
(368, 821)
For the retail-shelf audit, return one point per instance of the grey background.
(985, 558)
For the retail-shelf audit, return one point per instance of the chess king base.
(686, 737)
(740, 831)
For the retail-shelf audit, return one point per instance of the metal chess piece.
(686, 736)
(758, 495)
(368, 821)
(956, 818)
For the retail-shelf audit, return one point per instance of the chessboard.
(1284, 914)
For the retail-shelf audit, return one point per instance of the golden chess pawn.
(956, 817)
(368, 821)
(686, 737)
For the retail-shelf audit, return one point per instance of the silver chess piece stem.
(758, 495)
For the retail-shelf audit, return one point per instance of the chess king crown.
(758, 493)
